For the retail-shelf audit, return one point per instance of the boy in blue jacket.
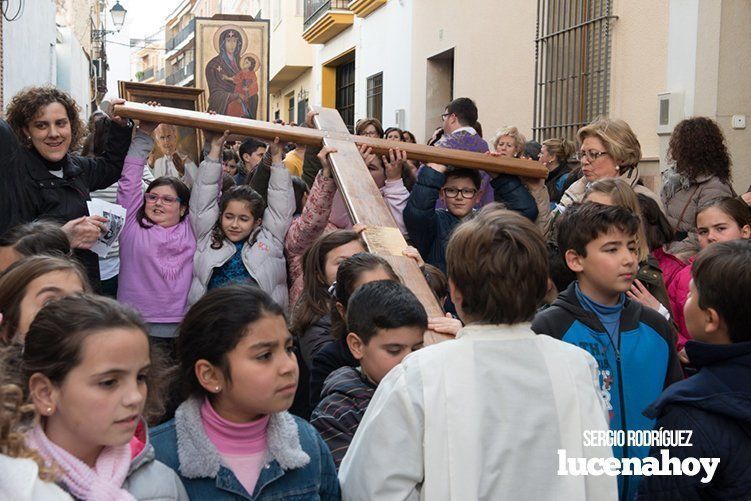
(632, 344)
(430, 228)
(715, 404)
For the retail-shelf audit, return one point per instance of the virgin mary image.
(231, 76)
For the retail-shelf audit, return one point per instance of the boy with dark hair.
(632, 344)
(484, 416)
(251, 153)
(560, 276)
(386, 322)
(715, 404)
(429, 227)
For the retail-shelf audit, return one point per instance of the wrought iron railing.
(572, 65)
(315, 9)
(181, 35)
(145, 74)
(184, 72)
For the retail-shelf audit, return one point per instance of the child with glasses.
(158, 242)
(429, 228)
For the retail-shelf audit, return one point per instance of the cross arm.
(314, 137)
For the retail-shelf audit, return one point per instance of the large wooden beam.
(302, 135)
(366, 206)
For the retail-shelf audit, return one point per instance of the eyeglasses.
(445, 115)
(591, 155)
(370, 133)
(454, 192)
(166, 199)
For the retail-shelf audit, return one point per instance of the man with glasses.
(459, 119)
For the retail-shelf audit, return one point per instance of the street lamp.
(118, 15)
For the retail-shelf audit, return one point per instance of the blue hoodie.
(716, 405)
(635, 366)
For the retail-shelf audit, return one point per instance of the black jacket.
(330, 357)
(716, 405)
(36, 193)
(430, 228)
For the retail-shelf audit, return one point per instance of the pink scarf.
(101, 482)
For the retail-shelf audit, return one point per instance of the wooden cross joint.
(360, 193)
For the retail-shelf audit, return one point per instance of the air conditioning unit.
(400, 118)
(670, 111)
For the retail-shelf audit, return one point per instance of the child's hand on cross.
(276, 147)
(394, 163)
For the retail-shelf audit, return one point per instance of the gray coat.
(263, 253)
(151, 480)
(682, 199)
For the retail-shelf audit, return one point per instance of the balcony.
(363, 8)
(145, 74)
(184, 73)
(324, 19)
(181, 36)
(159, 76)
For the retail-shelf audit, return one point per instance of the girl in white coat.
(240, 240)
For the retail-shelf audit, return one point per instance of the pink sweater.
(395, 195)
(242, 446)
(678, 292)
(156, 263)
(306, 229)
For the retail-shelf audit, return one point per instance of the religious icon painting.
(177, 150)
(232, 60)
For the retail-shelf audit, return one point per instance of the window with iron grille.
(572, 65)
(345, 93)
(291, 106)
(375, 96)
(302, 110)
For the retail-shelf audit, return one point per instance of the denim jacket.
(298, 466)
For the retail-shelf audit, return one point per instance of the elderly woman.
(609, 149)
(700, 172)
(40, 175)
(509, 142)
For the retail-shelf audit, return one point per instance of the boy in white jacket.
(484, 416)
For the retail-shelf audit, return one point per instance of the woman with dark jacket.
(42, 177)
(700, 172)
(554, 155)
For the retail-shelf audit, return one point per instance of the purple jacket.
(156, 263)
(464, 140)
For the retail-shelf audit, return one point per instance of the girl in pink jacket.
(157, 243)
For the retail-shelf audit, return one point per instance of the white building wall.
(29, 49)
(73, 70)
(118, 58)
(386, 46)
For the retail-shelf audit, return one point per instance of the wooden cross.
(362, 197)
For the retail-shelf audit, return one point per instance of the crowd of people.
(240, 342)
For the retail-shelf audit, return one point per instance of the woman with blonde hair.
(648, 287)
(608, 149)
(509, 142)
